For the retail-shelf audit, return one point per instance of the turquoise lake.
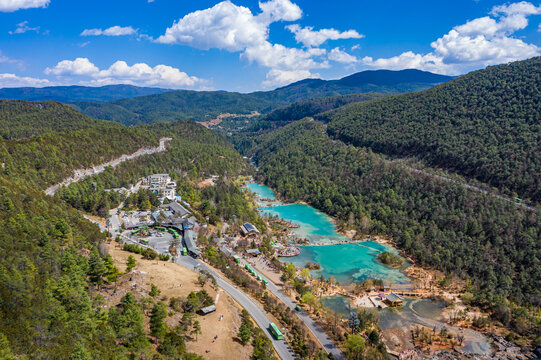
(346, 262)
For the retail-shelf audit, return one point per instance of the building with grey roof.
(249, 229)
(190, 244)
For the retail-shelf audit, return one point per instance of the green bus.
(135, 231)
(143, 241)
(265, 281)
(275, 331)
(247, 267)
(237, 259)
(184, 251)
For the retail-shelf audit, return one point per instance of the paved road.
(80, 174)
(282, 348)
(318, 332)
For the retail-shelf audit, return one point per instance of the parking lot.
(157, 240)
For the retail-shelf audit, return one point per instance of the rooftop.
(393, 297)
(249, 227)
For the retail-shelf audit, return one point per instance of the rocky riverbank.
(503, 350)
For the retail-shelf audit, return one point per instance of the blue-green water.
(264, 192)
(313, 224)
(346, 262)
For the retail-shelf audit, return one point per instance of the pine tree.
(130, 264)
(196, 329)
(96, 268)
(157, 325)
(244, 334)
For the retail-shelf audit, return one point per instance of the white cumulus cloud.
(341, 56)
(12, 80)
(478, 43)
(282, 57)
(79, 66)
(120, 72)
(112, 31)
(224, 26)
(308, 37)
(235, 28)
(14, 5)
(277, 10)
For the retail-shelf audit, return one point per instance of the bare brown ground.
(174, 280)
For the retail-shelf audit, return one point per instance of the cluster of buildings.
(161, 184)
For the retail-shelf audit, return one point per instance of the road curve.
(80, 174)
(282, 348)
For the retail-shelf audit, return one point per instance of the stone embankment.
(503, 350)
(80, 174)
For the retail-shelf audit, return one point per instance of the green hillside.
(177, 105)
(485, 125)
(24, 119)
(443, 225)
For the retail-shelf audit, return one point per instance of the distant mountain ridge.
(380, 81)
(132, 105)
(67, 94)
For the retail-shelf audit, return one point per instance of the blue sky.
(245, 45)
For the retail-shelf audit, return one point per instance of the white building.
(161, 184)
(157, 179)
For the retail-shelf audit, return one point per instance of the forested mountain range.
(78, 93)
(488, 241)
(205, 105)
(176, 105)
(484, 125)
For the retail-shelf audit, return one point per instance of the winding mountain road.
(314, 328)
(80, 174)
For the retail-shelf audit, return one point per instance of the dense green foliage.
(485, 125)
(68, 141)
(391, 259)
(177, 105)
(48, 301)
(48, 159)
(440, 224)
(245, 136)
(23, 119)
(78, 93)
